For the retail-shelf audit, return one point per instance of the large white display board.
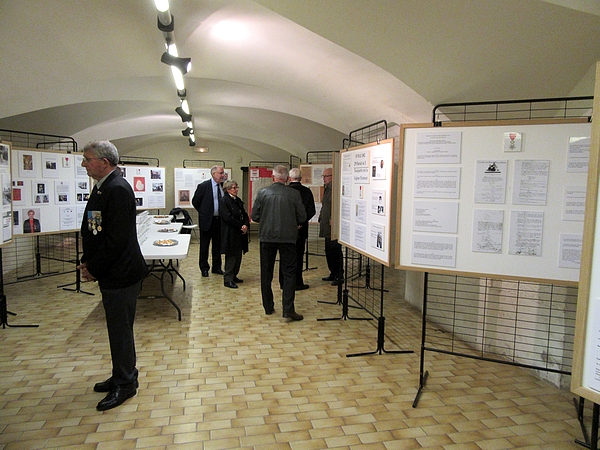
(148, 184)
(50, 188)
(504, 199)
(364, 182)
(186, 181)
(6, 204)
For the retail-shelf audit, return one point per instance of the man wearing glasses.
(112, 256)
(206, 201)
(333, 249)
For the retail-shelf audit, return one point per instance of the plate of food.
(162, 221)
(166, 242)
(167, 230)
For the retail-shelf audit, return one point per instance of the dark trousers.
(233, 262)
(119, 306)
(287, 267)
(333, 254)
(300, 246)
(212, 234)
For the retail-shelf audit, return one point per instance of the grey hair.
(103, 149)
(280, 173)
(214, 169)
(296, 174)
(229, 184)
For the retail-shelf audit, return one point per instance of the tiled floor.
(227, 376)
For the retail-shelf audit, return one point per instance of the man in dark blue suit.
(112, 256)
(206, 201)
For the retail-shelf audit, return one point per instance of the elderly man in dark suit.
(206, 201)
(308, 201)
(112, 256)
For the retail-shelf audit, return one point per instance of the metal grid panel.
(521, 323)
(371, 133)
(202, 163)
(39, 141)
(364, 282)
(139, 161)
(319, 157)
(39, 256)
(295, 161)
(557, 108)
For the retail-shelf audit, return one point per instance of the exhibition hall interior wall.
(171, 155)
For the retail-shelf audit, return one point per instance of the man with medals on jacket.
(112, 256)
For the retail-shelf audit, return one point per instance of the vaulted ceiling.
(281, 77)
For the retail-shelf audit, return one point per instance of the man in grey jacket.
(279, 211)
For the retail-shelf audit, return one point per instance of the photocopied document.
(526, 233)
(433, 250)
(488, 225)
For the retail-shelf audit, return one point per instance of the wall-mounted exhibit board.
(364, 181)
(585, 379)
(260, 177)
(148, 184)
(186, 181)
(6, 204)
(312, 178)
(49, 191)
(505, 199)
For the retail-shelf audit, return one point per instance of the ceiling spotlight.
(192, 141)
(183, 64)
(181, 93)
(185, 117)
(188, 131)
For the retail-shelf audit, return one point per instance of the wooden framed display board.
(505, 199)
(585, 379)
(364, 181)
(49, 191)
(312, 178)
(148, 184)
(186, 182)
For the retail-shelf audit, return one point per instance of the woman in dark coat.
(234, 232)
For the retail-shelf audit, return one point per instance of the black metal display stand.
(381, 328)
(4, 312)
(342, 298)
(77, 272)
(589, 441)
(38, 263)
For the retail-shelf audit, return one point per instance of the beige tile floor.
(227, 376)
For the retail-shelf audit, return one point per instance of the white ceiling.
(301, 76)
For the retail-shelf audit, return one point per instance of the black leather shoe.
(230, 284)
(337, 282)
(116, 397)
(268, 313)
(218, 272)
(329, 278)
(205, 273)
(237, 280)
(293, 316)
(302, 287)
(107, 386)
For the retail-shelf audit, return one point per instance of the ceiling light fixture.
(192, 141)
(188, 132)
(183, 64)
(185, 117)
(201, 149)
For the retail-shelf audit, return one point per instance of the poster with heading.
(364, 181)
